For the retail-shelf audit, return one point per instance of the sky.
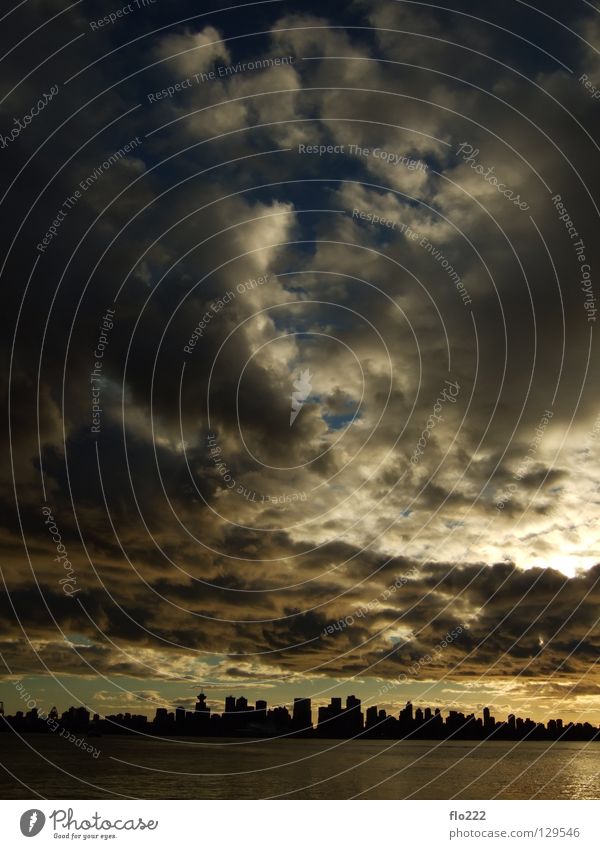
(379, 216)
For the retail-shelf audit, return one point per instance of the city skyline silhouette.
(240, 718)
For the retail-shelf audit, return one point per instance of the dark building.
(163, 721)
(335, 721)
(330, 723)
(302, 714)
(406, 718)
(371, 716)
(76, 719)
(353, 718)
(279, 719)
(201, 706)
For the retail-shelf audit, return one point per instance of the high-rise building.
(332, 719)
(201, 706)
(302, 714)
(279, 717)
(406, 717)
(371, 716)
(353, 719)
(260, 712)
(230, 704)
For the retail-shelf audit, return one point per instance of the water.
(136, 767)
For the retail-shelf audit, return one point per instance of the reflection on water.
(204, 769)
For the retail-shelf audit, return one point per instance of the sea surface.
(177, 768)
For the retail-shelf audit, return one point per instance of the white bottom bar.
(301, 824)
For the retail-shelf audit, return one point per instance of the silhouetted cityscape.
(241, 719)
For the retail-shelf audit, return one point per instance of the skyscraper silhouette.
(302, 714)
